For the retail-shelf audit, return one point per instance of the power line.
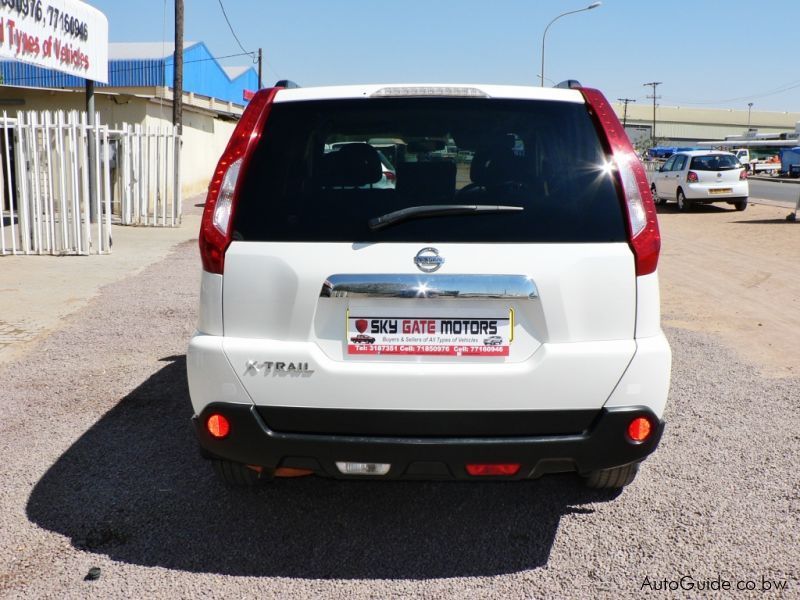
(233, 33)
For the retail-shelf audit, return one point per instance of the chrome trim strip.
(387, 285)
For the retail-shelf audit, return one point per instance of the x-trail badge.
(428, 260)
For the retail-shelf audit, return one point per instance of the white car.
(498, 319)
(701, 177)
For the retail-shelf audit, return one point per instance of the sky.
(707, 53)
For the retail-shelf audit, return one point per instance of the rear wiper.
(437, 210)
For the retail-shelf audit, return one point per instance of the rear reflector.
(356, 468)
(488, 469)
(218, 426)
(639, 429)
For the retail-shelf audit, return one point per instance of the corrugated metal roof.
(150, 64)
(144, 50)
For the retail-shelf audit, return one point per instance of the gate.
(146, 175)
(45, 181)
(63, 182)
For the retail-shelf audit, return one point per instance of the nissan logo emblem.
(428, 260)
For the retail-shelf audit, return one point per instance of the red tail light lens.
(639, 429)
(218, 426)
(643, 234)
(691, 177)
(390, 177)
(742, 174)
(496, 469)
(221, 199)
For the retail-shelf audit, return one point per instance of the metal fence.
(146, 175)
(63, 182)
(46, 163)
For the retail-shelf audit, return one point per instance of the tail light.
(643, 234)
(742, 174)
(691, 177)
(215, 228)
(390, 177)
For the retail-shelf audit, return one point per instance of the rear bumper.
(703, 192)
(603, 445)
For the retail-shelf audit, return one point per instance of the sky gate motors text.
(429, 326)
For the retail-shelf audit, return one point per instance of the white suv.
(495, 314)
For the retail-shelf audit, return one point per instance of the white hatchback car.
(497, 317)
(701, 177)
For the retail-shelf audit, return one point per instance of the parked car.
(553, 246)
(701, 177)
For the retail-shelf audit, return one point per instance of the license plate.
(368, 334)
(720, 191)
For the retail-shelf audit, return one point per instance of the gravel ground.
(101, 470)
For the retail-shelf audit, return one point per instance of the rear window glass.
(715, 162)
(323, 169)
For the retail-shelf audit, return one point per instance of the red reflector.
(639, 429)
(493, 469)
(218, 426)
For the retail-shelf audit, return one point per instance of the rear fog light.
(492, 469)
(639, 430)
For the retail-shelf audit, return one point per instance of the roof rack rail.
(285, 83)
(569, 84)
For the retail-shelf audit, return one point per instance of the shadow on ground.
(134, 487)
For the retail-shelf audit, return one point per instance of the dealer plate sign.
(368, 334)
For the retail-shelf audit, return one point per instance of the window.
(323, 169)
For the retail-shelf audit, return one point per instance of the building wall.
(204, 136)
(204, 139)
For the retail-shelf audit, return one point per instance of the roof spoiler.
(285, 83)
(569, 84)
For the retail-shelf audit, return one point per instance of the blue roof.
(146, 65)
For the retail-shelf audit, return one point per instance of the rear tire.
(740, 204)
(658, 201)
(236, 474)
(616, 477)
(683, 204)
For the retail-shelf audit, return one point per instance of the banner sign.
(64, 35)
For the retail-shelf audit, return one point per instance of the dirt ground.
(735, 275)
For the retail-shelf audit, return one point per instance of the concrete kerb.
(38, 293)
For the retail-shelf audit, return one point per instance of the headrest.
(491, 167)
(353, 165)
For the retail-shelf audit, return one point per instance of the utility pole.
(90, 114)
(654, 85)
(177, 60)
(625, 110)
(260, 80)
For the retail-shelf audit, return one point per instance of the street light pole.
(749, 108)
(544, 35)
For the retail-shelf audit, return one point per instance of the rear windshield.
(323, 169)
(715, 162)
